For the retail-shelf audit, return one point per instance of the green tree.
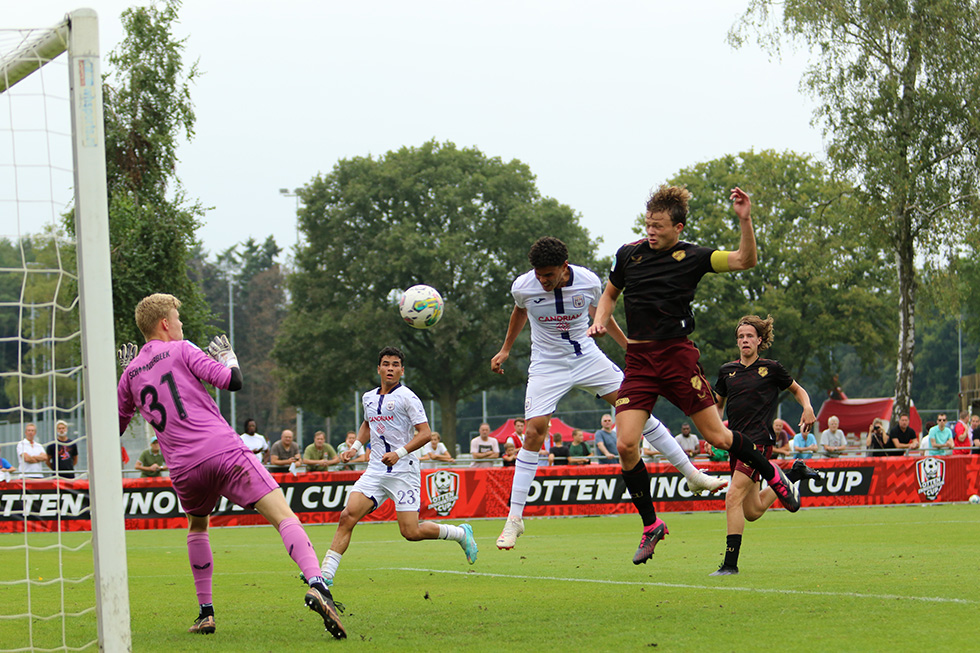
(152, 223)
(448, 217)
(823, 286)
(899, 98)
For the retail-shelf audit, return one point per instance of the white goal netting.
(62, 582)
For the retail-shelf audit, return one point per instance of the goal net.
(63, 580)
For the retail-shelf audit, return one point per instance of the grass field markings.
(603, 581)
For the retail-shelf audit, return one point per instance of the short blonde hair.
(152, 309)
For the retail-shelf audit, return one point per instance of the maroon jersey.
(752, 392)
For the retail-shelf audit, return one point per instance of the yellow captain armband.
(719, 260)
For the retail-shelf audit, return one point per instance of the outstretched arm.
(518, 318)
(807, 418)
(603, 314)
(745, 256)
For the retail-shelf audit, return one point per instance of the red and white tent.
(856, 415)
(557, 426)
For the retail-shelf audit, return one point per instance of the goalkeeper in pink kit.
(207, 459)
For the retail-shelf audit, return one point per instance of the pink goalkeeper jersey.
(164, 382)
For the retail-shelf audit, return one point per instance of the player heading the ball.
(558, 299)
(658, 276)
(207, 459)
(395, 423)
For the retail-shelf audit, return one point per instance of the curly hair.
(547, 252)
(763, 328)
(671, 200)
(152, 309)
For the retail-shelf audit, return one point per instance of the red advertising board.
(468, 493)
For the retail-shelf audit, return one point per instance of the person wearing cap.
(151, 463)
(62, 454)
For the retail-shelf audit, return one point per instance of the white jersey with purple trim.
(559, 318)
(392, 418)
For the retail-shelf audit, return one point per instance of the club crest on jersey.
(443, 489)
(637, 258)
(578, 301)
(390, 405)
(679, 255)
(763, 371)
(931, 474)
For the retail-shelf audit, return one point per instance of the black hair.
(547, 252)
(391, 351)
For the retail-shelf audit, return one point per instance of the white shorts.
(549, 381)
(404, 488)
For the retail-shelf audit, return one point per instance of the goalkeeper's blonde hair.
(152, 309)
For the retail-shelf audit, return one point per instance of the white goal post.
(78, 35)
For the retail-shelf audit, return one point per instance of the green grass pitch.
(898, 578)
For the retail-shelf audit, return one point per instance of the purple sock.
(202, 564)
(299, 548)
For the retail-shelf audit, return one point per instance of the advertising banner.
(474, 493)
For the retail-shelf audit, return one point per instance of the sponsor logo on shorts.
(679, 255)
(443, 489)
(697, 383)
(623, 401)
(527, 405)
(931, 474)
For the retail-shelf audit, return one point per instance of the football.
(421, 306)
(974, 498)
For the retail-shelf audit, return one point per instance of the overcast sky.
(603, 101)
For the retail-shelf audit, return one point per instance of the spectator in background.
(256, 442)
(688, 441)
(509, 456)
(901, 437)
(558, 454)
(962, 438)
(320, 455)
(605, 441)
(62, 454)
(804, 446)
(347, 444)
(30, 454)
(284, 453)
(578, 451)
(877, 440)
(782, 446)
(940, 436)
(833, 440)
(960, 428)
(150, 463)
(517, 437)
(6, 469)
(434, 452)
(483, 448)
(975, 427)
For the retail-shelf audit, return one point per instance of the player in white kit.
(395, 422)
(559, 299)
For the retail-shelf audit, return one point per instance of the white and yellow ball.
(421, 306)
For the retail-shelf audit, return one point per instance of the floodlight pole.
(285, 192)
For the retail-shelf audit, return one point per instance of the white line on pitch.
(931, 599)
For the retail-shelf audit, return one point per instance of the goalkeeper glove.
(221, 351)
(126, 354)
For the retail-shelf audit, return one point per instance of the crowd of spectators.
(938, 438)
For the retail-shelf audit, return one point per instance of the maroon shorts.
(739, 466)
(667, 368)
(236, 475)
